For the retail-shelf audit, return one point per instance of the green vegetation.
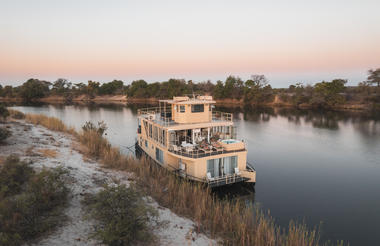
(124, 218)
(4, 113)
(30, 202)
(256, 90)
(4, 133)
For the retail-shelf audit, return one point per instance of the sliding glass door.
(222, 166)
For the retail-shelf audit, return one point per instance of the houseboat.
(186, 136)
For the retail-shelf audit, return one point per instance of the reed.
(15, 114)
(234, 222)
(51, 123)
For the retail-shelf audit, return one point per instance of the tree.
(7, 91)
(257, 90)
(374, 76)
(34, 88)
(329, 93)
(219, 90)
(233, 87)
(111, 88)
(92, 88)
(138, 89)
(61, 86)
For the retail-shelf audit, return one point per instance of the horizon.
(92, 40)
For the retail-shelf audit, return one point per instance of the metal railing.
(221, 116)
(160, 115)
(198, 152)
(226, 179)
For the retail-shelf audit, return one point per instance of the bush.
(100, 129)
(4, 113)
(4, 134)
(13, 176)
(124, 217)
(31, 203)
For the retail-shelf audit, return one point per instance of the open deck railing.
(161, 115)
(197, 152)
(221, 116)
(164, 113)
(224, 180)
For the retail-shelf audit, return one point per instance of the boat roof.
(188, 100)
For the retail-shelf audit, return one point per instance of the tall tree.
(374, 76)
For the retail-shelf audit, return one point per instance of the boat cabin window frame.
(182, 109)
(197, 108)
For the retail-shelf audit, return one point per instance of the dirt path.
(46, 148)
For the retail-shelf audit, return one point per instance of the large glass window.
(222, 166)
(229, 163)
(213, 167)
(197, 108)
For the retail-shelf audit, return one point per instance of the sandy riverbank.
(45, 148)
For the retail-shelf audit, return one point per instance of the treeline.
(255, 90)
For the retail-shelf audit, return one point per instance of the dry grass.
(15, 114)
(50, 153)
(235, 222)
(51, 123)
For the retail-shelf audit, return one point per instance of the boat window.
(182, 108)
(197, 108)
(159, 155)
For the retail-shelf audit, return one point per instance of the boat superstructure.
(187, 136)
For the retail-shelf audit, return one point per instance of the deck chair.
(209, 177)
(237, 172)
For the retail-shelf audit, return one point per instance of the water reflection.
(368, 123)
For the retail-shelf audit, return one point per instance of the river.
(312, 166)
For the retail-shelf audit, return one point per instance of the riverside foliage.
(234, 222)
(256, 90)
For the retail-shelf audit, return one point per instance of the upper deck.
(186, 113)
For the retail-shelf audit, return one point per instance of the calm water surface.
(311, 165)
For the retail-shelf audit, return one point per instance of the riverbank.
(118, 99)
(45, 148)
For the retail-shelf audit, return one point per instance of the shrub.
(100, 129)
(4, 134)
(124, 217)
(4, 113)
(31, 203)
(13, 176)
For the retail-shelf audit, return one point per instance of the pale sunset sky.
(288, 41)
